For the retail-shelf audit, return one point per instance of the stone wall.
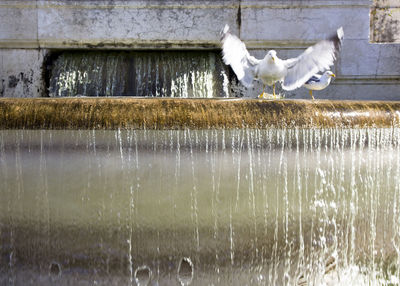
(385, 21)
(30, 30)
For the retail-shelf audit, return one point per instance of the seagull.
(319, 82)
(293, 73)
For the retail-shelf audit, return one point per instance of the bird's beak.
(333, 75)
(273, 59)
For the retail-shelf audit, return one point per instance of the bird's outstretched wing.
(236, 55)
(315, 59)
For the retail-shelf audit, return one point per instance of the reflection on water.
(241, 207)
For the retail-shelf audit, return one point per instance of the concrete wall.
(30, 29)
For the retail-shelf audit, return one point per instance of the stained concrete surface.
(385, 21)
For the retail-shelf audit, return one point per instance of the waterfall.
(139, 73)
(199, 207)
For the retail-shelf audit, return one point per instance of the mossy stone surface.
(169, 113)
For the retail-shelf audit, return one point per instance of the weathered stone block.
(21, 73)
(368, 89)
(302, 21)
(358, 57)
(385, 22)
(18, 23)
(134, 23)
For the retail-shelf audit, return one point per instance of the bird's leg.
(311, 95)
(273, 90)
(262, 94)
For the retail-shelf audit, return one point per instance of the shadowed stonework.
(108, 113)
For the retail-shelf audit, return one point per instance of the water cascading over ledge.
(199, 192)
(167, 113)
(139, 73)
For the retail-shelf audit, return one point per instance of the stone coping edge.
(171, 113)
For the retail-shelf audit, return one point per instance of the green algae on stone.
(168, 113)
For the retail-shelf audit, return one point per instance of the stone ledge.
(109, 44)
(99, 4)
(155, 113)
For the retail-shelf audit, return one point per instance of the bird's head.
(271, 56)
(330, 74)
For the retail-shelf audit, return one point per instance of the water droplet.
(185, 271)
(55, 269)
(142, 275)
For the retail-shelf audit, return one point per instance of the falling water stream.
(139, 73)
(200, 207)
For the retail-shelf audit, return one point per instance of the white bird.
(293, 73)
(319, 82)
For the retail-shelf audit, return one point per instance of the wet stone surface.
(150, 113)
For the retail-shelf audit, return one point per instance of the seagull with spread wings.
(292, 73)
